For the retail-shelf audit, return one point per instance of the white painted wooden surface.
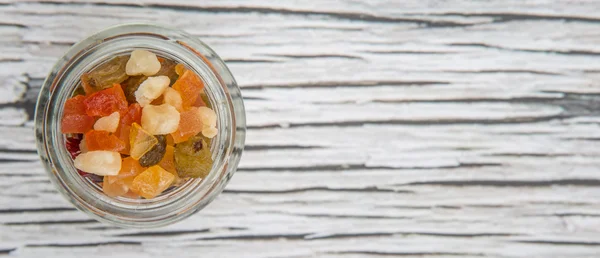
(376, 128)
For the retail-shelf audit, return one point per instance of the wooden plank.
(375, 129)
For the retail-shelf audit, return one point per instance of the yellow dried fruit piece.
(152, 182)
(140, 141)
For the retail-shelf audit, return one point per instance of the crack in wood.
(340, 84)
(7, 251)
(50, 222)
(36, 210)
(307, 56)
(249, 61)
(427, 122)
(407, 233)
(352, 167)
(280, 147)
(163, 233)
(86, 244)
(257, 237)
(509, 183)
(556, 242)
(372, 189)
(504, 17)
(424, 254)
(559, 52)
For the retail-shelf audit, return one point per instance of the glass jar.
(173, 205)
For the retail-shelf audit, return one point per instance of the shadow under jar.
(174, 204)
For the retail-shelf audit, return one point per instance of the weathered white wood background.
(376, 128)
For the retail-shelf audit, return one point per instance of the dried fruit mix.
(141, 124)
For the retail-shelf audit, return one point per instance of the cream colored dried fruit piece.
(142, 62)
(102, 163)
(163, 119)
(173, 98)
(208, 117)
(108, 123)
(151, 89)
(209, 132)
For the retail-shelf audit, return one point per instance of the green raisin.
(154, 155)
(167, 68)
(105, 75)
(78, 91)
(131, 85)
(193, 158)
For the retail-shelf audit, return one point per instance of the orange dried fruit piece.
(140, 141)
(103, 140)
(114, 187)
(105, 102)
(190, 124)
(189, 86)
(119, 185)
(152, 182)
(123, 134)
(75, 119)
(168, 160)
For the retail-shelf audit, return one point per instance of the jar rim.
(222, 90)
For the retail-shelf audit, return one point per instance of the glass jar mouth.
(179, 46)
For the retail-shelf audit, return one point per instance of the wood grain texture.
(376, 129)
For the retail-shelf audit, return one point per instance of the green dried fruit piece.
(154, 155)
(131, 85)
(193, 158)
(105, 75)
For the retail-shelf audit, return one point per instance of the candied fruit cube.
(133, 115)
(102, 163)
(151, 89)
(120, 184)
(152, 182)
(75, 119)
(208, 116)
(114, 187)
(210, 132)
(105, 102)
(173, 98)
(190, 124)
(168, 162)
(140, 141)
(108, 123)
(142, 62)
(189, 86)
(163, 119)
(103, 140)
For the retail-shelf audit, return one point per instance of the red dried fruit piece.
(72, 144)
(103, 140)
(75, 119)
(189, 86)
(133, 114)
(105, 102)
